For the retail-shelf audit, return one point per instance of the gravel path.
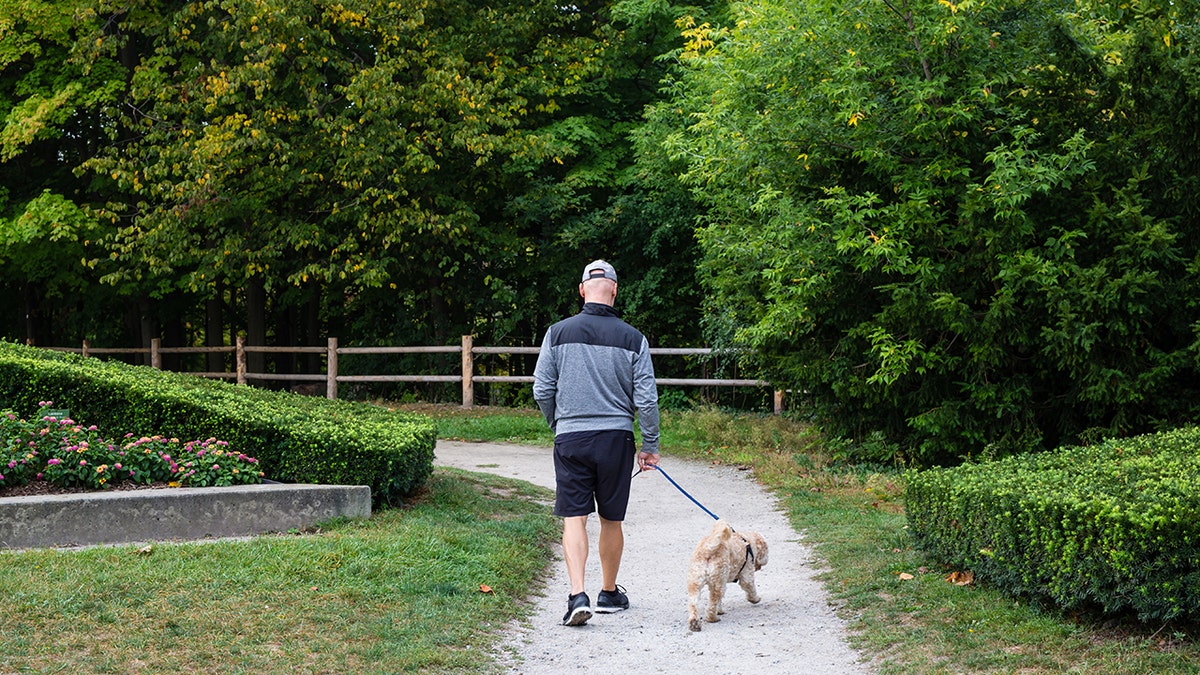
(793, 629)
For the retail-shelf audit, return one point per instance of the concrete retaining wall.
(174, 513)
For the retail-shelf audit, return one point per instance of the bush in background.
(295, 438)
(1114, 526)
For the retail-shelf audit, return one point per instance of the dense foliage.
(957, 227)
(948, 228)
(1112, 526)
(293, 438)
(398, 172)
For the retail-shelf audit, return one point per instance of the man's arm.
(545, 381)
(645, 399)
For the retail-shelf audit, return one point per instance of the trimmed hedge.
(300, 439)
(1115, 526)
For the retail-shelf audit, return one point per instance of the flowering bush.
(211, 462)
(66, 454)
(18, 461)
(149, 459)
(82, 459)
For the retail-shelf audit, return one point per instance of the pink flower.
(53, 461)
(83, 462)
(216, 466)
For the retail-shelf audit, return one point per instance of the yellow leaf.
(905, 576)
(961, 578)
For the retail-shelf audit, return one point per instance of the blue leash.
(685, 493)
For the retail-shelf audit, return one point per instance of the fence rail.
(332, 351)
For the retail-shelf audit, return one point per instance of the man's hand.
(647, 460)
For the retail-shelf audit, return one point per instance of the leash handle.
(685, 493)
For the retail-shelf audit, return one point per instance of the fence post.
(240, 359)
(468, 372)
(778, 401)
(331, 367)
(155, 356)
(87, 345)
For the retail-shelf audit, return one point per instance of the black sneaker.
(612, 601)
(579, 610)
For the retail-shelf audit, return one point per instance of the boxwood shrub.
(300, 439)
(1113, 527)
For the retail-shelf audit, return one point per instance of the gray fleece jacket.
(594, 373)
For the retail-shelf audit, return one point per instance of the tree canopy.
(404, 171)
(957, 228)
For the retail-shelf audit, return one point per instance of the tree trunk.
(312, 329)
(147, 330)
(173, 336)
(285, 336)
(31, 308)
(214, 332)
(256, 323)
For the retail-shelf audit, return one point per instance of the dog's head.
(758, 546)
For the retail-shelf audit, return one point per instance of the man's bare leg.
(575, 550)
(612, 544)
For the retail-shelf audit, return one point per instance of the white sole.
(579, 617)
(610, 610)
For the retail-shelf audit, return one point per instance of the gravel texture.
(793, 629)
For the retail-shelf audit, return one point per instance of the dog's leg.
(746, 581)
(716, 597)
(694, 586)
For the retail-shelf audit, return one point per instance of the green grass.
(509, 425)
(397, 593)
(854, 519)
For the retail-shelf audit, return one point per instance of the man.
(593, 374)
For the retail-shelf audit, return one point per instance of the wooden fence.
(331, 378)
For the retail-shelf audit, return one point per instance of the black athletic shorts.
(592, 471)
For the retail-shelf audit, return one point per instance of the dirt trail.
(793, 629)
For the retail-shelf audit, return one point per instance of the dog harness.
(748, 558)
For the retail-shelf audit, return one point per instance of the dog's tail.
(721, 533)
